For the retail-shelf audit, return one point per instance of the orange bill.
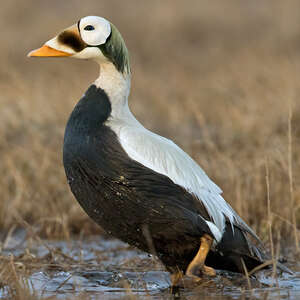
(47, 51)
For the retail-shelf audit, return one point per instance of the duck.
(138, 186)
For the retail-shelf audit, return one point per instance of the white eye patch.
(94, 30)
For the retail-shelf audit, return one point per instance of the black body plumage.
(127, 199)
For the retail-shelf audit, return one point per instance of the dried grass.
(215, 77)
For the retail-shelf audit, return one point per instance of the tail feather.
(236, 250)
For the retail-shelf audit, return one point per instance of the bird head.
(91, 38)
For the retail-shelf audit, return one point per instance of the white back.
(162, 155)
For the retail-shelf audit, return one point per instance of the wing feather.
(165, 157)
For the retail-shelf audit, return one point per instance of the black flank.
(72, 40)
(124, 197)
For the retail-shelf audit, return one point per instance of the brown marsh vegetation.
(219, 78)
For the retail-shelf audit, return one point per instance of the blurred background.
(219, 78)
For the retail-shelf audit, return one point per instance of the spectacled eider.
(141, 187)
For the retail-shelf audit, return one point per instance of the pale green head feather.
(116, 51)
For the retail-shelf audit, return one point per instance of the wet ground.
(101, 268)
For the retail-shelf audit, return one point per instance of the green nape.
(116, 51)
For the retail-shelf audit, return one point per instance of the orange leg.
(197, 266)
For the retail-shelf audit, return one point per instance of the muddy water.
(100, 268)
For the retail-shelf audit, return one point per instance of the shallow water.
(102, 268)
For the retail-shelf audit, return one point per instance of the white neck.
(116, 86)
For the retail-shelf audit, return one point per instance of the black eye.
(89, 27)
